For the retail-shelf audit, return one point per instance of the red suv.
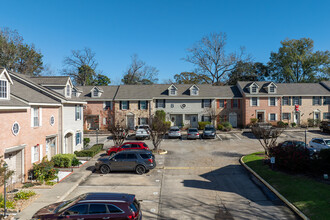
(127, 146)
(94, 206)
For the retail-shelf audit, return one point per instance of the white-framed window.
(206, 118)
(78, 112)
(194, 91)
(95, 92)
(326, 116)
(74, 92)
(124, 105)
(35, 117)
(172, 91)
(254, 89)
(272, 89)
(3, 89)
(160, 103)
(254, 101)
(143, 121)
(15, 128)
(272, 117)
(206, 103)
(68, 91)
(52, 120)
(317, 100)
(78, 137)
(221, 103)
(35, 153)
(295, 100)
(143, 105)
(286, 116)
(285, 100)
(271, 101)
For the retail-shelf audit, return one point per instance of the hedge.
(63, 160)
(202, 124)
(91, 152)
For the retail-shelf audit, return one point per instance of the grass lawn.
(310, 196)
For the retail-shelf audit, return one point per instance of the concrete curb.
(289, 204)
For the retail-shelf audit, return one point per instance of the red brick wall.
(96, 108)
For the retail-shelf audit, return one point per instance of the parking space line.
(188, 168)
(218, 135)
(237, 136)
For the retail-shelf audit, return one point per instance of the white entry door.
(194, 121)
(233, 119)
(296, 118)
(130, 122)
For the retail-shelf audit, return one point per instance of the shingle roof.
(50, 80)
(109, 92)
(12, 102)
(326, 84)
(312, 89)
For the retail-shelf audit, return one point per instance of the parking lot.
(199, 179)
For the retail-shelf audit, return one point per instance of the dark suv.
(140, 161)
(94, 206)
(127, 146)
(325, 126)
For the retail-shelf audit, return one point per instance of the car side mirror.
(114, 159)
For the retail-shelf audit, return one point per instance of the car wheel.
(140, 169)
(112, 153)
(105, 169)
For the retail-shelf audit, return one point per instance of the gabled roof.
(4, 71)
(13, 103)
(326, 84)
(98, 88)
(172, 85)
(109, 93)
(51, 80)
(194, 85)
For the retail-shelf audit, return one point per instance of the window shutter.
(40, 152)
(40, 116)
(164, 103)
(75, 112)
(225, 103)
(139, 106)
(289, 100)
(32, 111)
(320, 100)
(139, 121)
(147, 104)
(210, 103)
(218, 103)
(202, 103)
(127, 105)
(313, 100)
(202, 117)
(300, 102)
(156, 103)
(120, 105)
(239, 103)
(232, 103)
(289, 116)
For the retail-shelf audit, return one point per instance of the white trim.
(50, 120)
(44, 104)
(40, 116)
(40, 152)
(7, 75)
(8, 108)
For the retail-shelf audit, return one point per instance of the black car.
(94, 206)
(325, 126)
(300, 145)
(140, 161)
(209, 132)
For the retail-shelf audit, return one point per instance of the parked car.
(140, 161)
(142, 132)
(127, 146)
(325, 126)
(209, 132)
(174, 132)
(300, 145)
(94, 206)
(320, 144)
(192, 133)
(265, 130)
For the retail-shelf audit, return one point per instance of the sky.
(160, 31)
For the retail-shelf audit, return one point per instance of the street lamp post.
(5, 165)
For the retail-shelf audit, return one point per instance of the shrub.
(253, 121)
(27, 185)
(90, 152)
(50, 183)
(226, 126)
(220, 127)
(45, 170)
(291, 158)
(168, 123)
(63, 160)
(86, 142)
(202, 124)
(24, 195)
(293, 124)
(75, 162)
(325, 155)
(9, 204)
(313, 122)
(281, 124)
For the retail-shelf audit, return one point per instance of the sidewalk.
(60, 191)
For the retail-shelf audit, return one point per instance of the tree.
(118, 130)
(191, 78)
(81, 66)
(4, 171)
(296, 62)
(140, 73)
(18, 56)
(158, 128)
(248, 71)
(209, 56)
(267, 136)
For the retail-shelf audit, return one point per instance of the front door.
(130, 122)
(260, 117)
(50, 147)
(316, 117)
(193, 121)
(296, 118)
(233, 119)
(68, 143)
(15, 163)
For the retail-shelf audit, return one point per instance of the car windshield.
(143, 127)
(174, 129)
(300, 143)
(193, 130)
(209, 129)
(68, 203)
(327, 142)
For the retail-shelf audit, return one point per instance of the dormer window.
(68, 91)
(74, 92)
(254, 89)
(3, 89)
(272, 89)
(194, 90)
(173, 91)
(96, 93)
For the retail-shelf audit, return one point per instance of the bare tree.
(158, 129)
(81, 66)
(118, 129)
(140, 73)
(212, 113)
(267, 136)
(3, 171)
(210, 57)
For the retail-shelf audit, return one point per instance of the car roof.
(117, 197)
(192, 129)
(135, 151)
(134, 142)
(174, 127)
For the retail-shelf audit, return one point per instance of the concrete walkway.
(60, 190)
